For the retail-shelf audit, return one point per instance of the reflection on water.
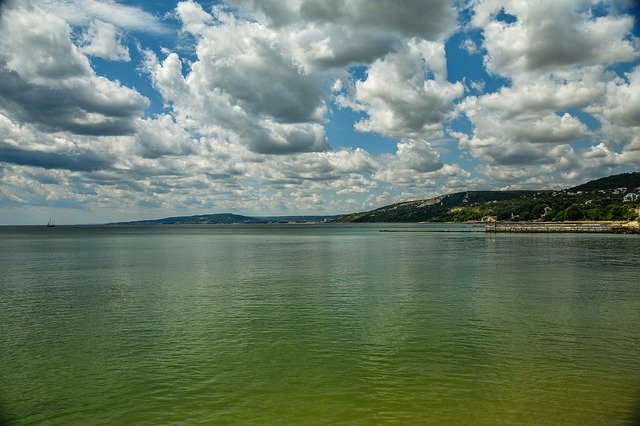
(291, 324)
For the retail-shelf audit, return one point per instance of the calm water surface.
(317, 324)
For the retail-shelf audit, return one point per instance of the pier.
(567, 227)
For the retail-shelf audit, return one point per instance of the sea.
(317, 324)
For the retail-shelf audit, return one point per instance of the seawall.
(570, 227)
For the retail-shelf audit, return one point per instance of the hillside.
(601, 199)
(434, 209)
(226, 218)
(624, 180)
(195, 220)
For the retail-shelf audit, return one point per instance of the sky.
(124, 110)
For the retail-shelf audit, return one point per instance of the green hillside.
(601, 199)
(628, 181)
(438, 209)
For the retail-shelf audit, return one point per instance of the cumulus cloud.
(84, 12)
(326, 46)
(411, 18)
(469, 45)
(328, 35)
(415, 163)
(46, 80)
(406, 93)
(478, 86)
(250, 91)
(545, 93)
(161, 137)
(255, 71)
(319, 176)
(24, 145)
(104, 40)
(418, 155)
(620, 104)
(557, 56)
(619, 113)
(75, 161)
(502, 138)
(266, 93)
(551, 35)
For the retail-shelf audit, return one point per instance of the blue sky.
(129, 110)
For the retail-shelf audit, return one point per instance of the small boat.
(50, 224)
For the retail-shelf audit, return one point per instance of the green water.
(317, 324)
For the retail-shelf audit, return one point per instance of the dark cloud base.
(81, 161)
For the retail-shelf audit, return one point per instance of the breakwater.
(569, 227)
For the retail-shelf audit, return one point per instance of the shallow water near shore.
(291, 324)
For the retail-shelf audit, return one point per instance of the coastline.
(604, 227)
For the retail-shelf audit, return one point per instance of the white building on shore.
(630, 198)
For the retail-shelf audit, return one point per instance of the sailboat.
(50, 224)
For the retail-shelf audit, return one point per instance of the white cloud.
(545, 93)
(525, 139)
(255, 71)
(410, 18)
(619, 113)
(194, 18)
(37, 47)
(161, 136)
(418, 155)
(621, 101)
(556, 55)
(249, 91)
(83, 12)
(104, 40)
(551, 35)
(478, 86)
(406, 93)
(326, 46)
(46, 80)
(24, 145)
(469, 45)
(415, 164)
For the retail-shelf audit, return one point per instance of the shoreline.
(605, 227)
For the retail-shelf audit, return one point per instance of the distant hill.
(226, 218)
(629, 181)
(195, 220)
(600, 199)
(298, 219)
